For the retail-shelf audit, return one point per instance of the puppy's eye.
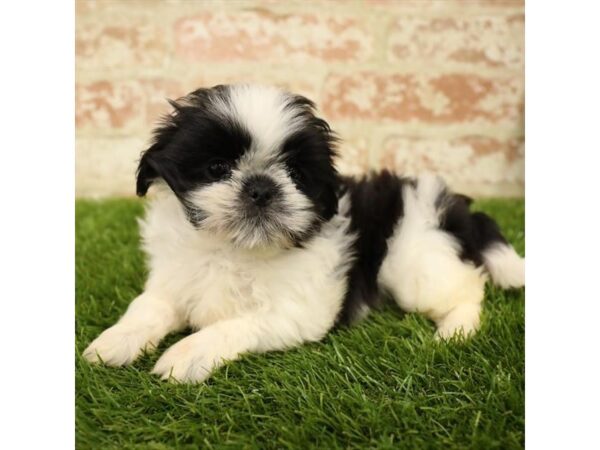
(218, 169)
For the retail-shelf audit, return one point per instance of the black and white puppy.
(255, 241)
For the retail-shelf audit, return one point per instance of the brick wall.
(410, 85)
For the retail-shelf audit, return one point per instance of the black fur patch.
(188, 141)
(475, 231)
(376, 206)
(309, 153)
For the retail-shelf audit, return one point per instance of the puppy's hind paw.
(462, 321)
(447, 333)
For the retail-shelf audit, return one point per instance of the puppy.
(256, 242)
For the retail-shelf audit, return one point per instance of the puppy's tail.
(502, 262)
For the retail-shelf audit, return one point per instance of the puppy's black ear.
(146, 173)
(154, 161)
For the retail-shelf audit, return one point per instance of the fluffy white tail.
(504, 265)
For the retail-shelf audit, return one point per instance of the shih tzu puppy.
(255, 241)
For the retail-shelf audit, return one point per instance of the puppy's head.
(251, 164)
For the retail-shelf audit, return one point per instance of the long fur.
(256, 242)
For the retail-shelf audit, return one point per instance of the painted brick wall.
(410, 85)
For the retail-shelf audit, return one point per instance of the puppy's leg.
(426, 275)
(423, 268)
(194, 358)
(440, 286)
(147, 320)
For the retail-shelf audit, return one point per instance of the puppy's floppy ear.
(157, 163)
(154, 162)
(146, 173)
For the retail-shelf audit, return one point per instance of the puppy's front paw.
(116, 346)
(192, 359)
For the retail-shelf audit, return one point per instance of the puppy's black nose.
(260, 190)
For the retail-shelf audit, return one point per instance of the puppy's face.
(250, 164)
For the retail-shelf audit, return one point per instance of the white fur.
(505, 266)
(423, 269)
(241, 300)
(264, 112)
(148, 319)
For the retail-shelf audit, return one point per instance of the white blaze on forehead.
(265, 112)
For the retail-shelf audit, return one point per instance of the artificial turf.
(385, 383)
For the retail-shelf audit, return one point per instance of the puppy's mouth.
(261, 226)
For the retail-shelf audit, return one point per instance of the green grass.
(383, 384)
